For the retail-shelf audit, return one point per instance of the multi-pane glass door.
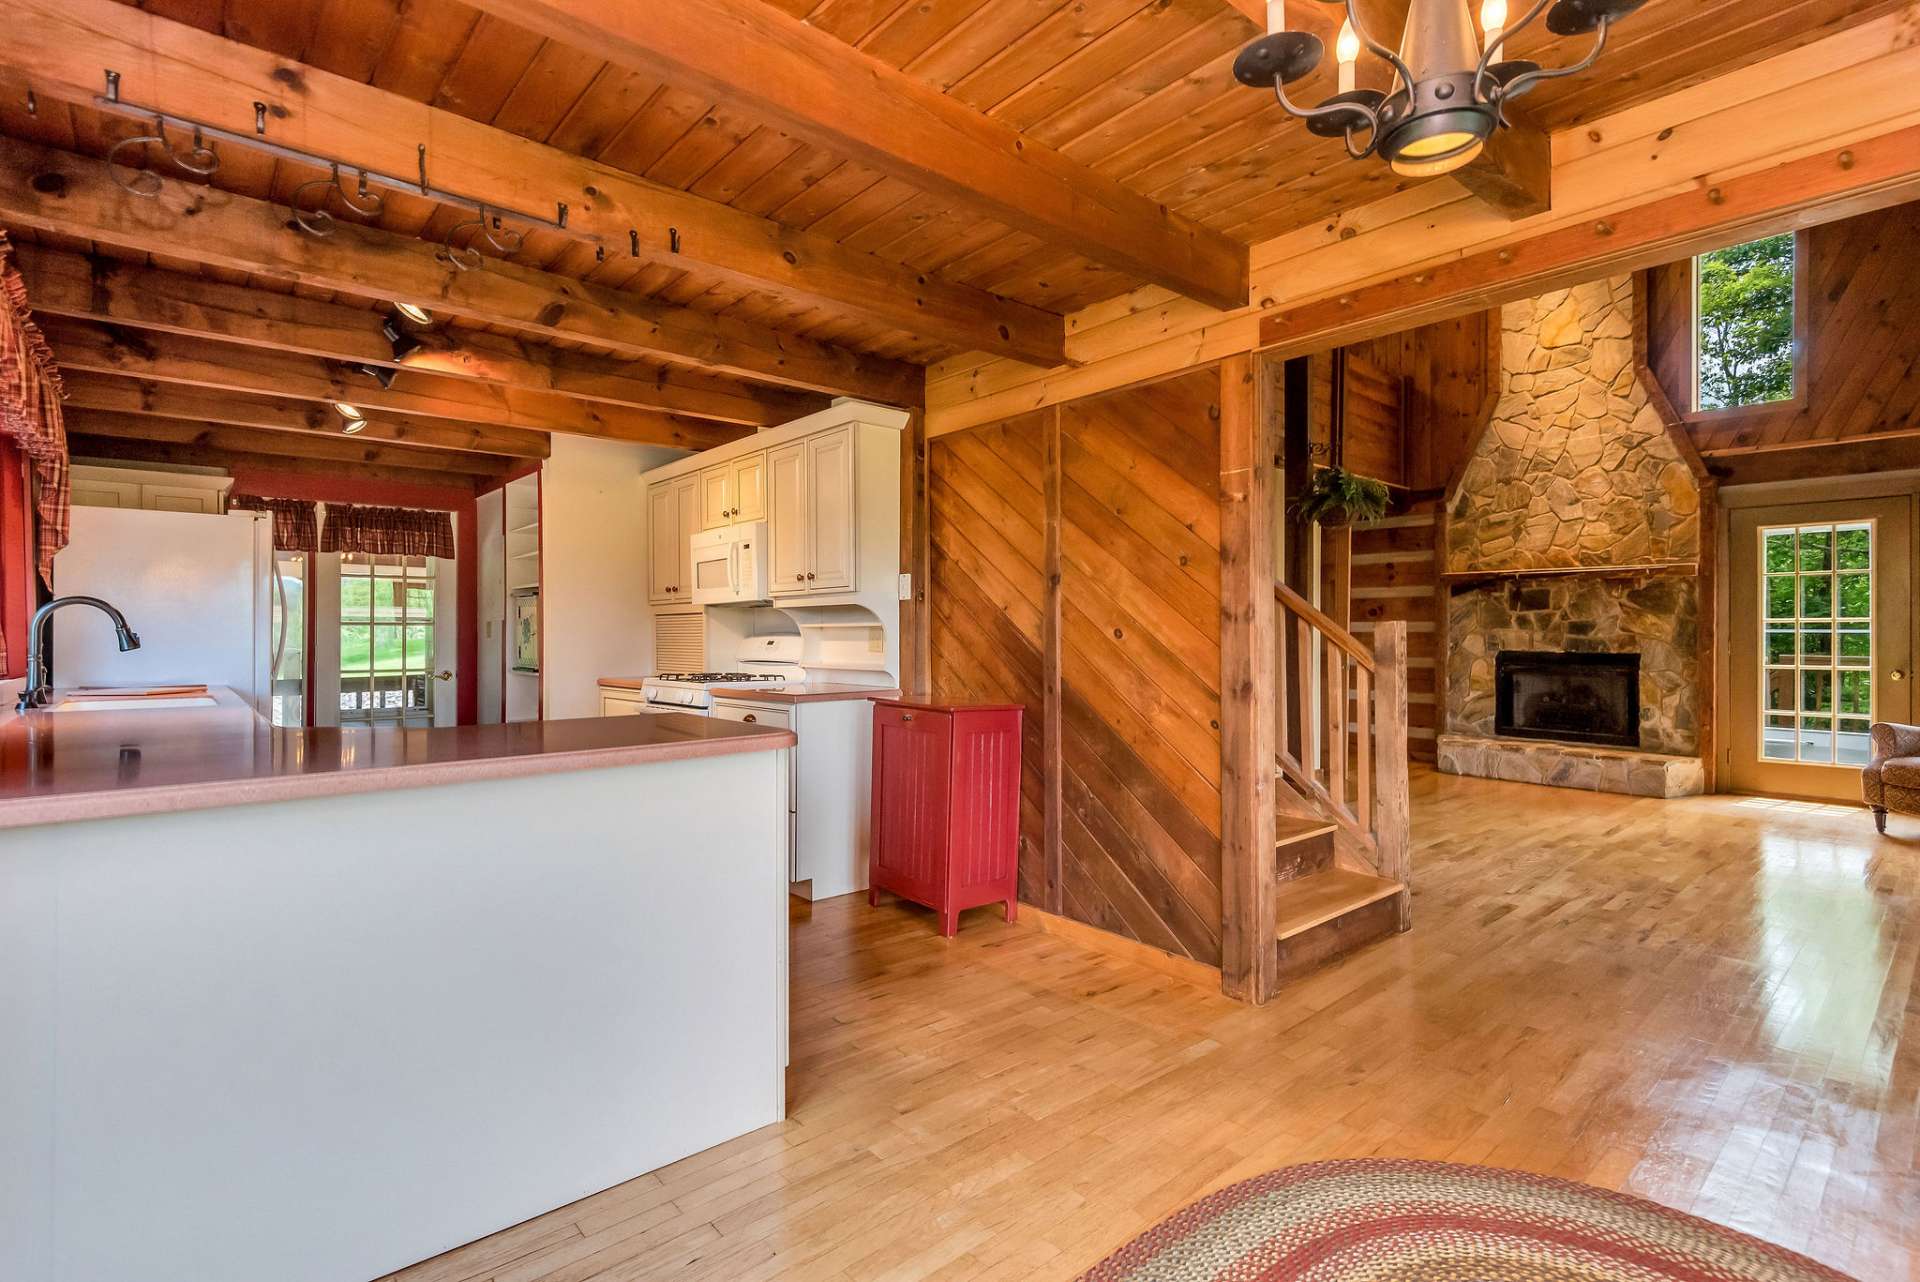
(386, 639)
(1819, 642)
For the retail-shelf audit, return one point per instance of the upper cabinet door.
(749, 488)
(716, 497)
(663, 533)
(830, 502)
(687, 489)
(787, 519)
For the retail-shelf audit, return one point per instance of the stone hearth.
(1635, 774)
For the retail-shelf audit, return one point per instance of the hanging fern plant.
(1336, 496)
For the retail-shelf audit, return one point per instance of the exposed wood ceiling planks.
(527, 380)
(800, 79)
(288, 414)
(63, 192)
(815, 258)
(193, 362)
(62, 46)
(119, 425)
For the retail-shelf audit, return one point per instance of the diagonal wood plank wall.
(1135, 492)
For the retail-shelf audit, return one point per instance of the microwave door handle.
(733, 567)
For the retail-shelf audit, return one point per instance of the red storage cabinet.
(946, 806)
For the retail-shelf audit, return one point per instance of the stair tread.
(1291, 828)
(1317, 899)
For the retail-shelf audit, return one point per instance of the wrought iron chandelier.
(1450, 87)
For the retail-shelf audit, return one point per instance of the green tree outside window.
(1746, 324)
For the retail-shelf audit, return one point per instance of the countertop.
(804, 692)
(60, 767)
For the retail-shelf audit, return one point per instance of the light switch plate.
(906, 587)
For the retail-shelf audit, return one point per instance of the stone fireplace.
(1567, 697)
(1572, 550)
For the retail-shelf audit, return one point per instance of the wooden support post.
(1249, 709)
(1394, 829)
(916, 557)
(1053, 818)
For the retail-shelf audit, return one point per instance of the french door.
(388, 607)
(1821, 642)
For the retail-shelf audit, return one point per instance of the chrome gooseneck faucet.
(39, 691)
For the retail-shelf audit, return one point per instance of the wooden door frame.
(1739, 498)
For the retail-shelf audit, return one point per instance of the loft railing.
(1342, 734)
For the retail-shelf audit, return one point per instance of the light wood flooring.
(1711, 1003)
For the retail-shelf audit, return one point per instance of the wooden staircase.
(1341, 828)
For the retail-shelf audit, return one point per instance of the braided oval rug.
(1403, 1221)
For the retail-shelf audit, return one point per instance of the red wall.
(19, 589)
(460, 502)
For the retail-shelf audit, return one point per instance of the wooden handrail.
(1323, 623)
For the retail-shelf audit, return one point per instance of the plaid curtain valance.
(296, 524)
(30, 416)
(387, 531)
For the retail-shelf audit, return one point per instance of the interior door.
(787, 519)
(663, 528)
(830, 568)
(687, 495)
(1821, 642)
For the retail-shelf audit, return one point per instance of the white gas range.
(762, 660)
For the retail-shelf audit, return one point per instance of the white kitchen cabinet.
(831, 514)
(673, 515)
(733, 491)
(812, 512)
(787, 520)
(149, 491)
(621, 701)
(750, 487)
(832, 783)
(687, 491)
(663, 529)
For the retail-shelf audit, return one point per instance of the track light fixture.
(1449, 88)
(381, 374)
(352, 417)
(402, 343)
(418, 315)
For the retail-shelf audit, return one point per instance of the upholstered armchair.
(1891, 780)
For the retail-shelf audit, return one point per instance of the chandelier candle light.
(1450, 87)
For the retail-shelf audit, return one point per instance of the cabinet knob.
(906, 717)
(799, 578)
(750, 717)
(809, 576)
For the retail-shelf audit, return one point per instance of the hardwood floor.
(1711, 1003)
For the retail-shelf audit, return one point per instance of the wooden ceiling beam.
(286, 414)
(171, 358)
(801, 79)
(347, 451)
(526, 375)
(75, 195)
(62, 47)
(1514, 174)
(1872, 173)
(176, 454)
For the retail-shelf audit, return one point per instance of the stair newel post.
(1392, 829)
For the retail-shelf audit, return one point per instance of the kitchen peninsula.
(314, 1005)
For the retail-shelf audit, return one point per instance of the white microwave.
(730, 564)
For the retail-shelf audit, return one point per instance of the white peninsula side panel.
(319, 1040)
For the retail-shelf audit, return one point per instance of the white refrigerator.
(197, 588)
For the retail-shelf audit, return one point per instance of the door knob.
(1898, 674)
(445, 674)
